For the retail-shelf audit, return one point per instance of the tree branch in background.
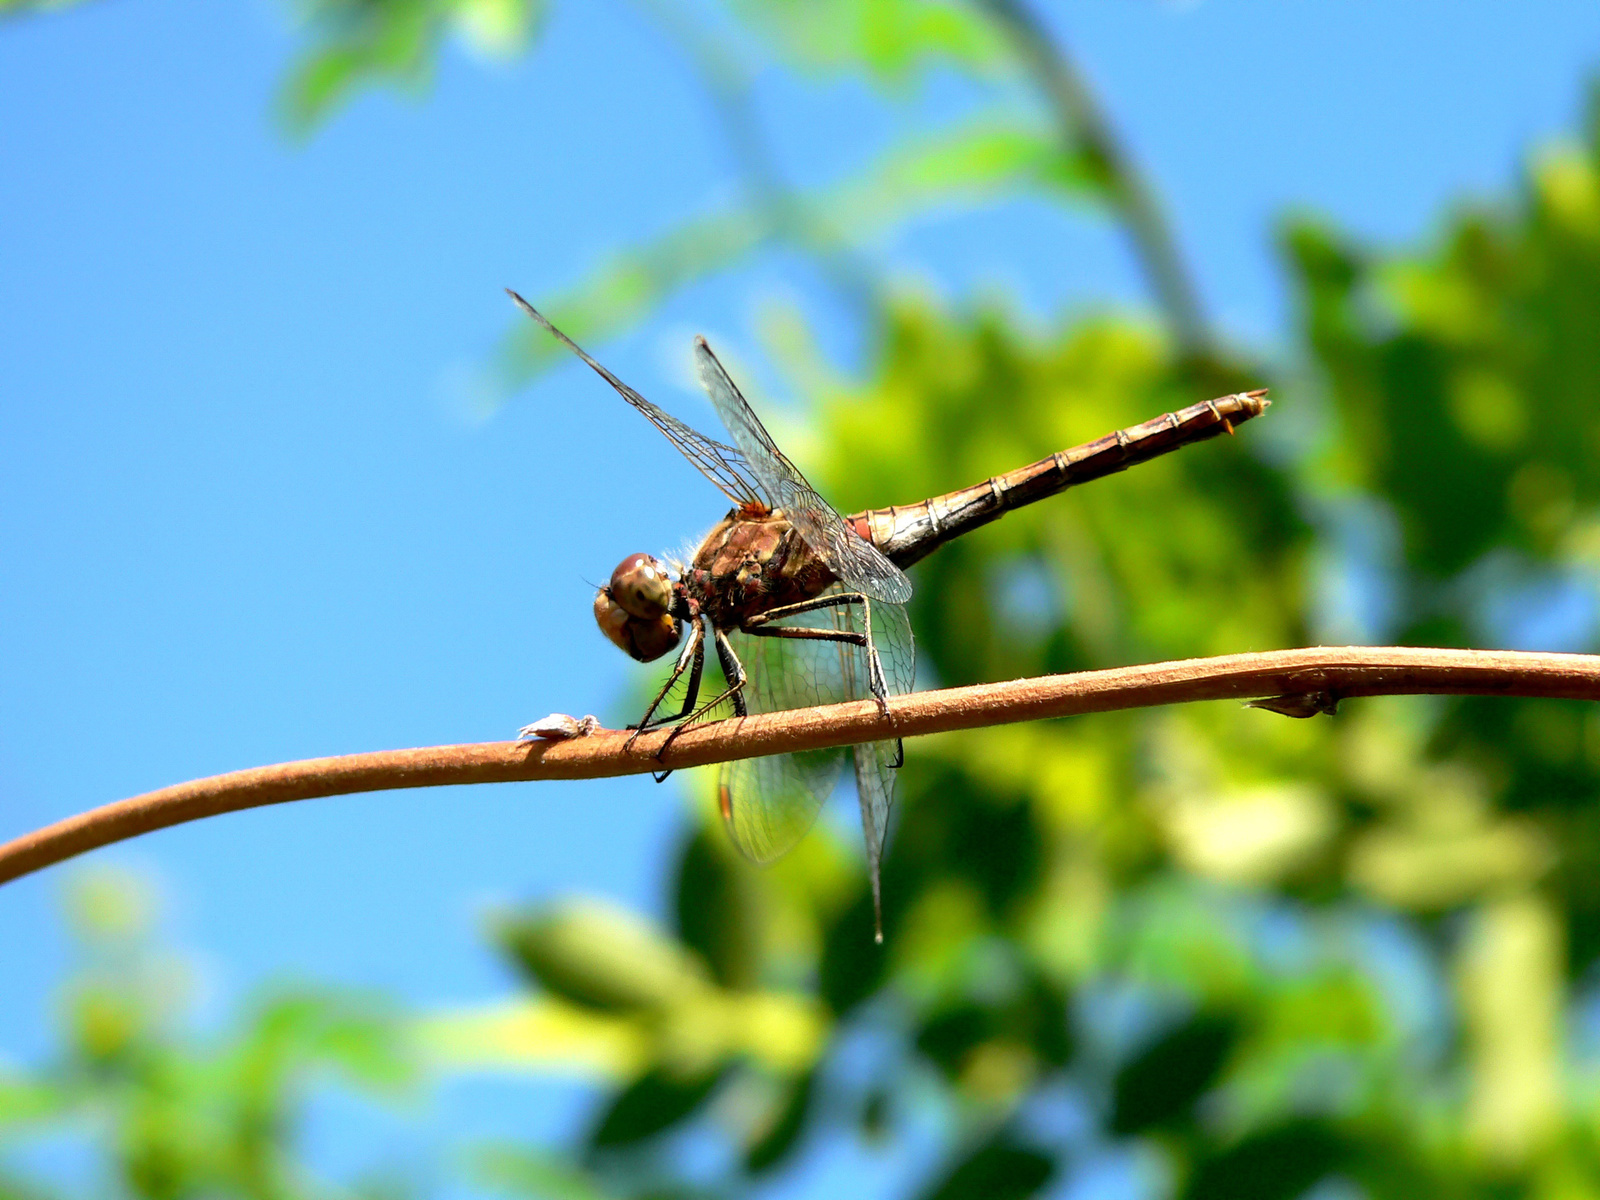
(1292, 682)
(783, 212)
(1087, 132)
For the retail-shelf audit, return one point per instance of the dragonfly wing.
(847, 554)
(875, 785)
(889, 626)
(769, 804)
(723, 465)
(876, 763)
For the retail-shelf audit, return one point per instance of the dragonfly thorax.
(748, 565)
(635, 610)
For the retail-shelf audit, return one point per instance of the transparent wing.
(770, 803)
(791, 790)
(723, 465)
(876, 763)
(848, 555)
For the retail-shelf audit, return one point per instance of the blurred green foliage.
(1242, 955)
(17, 7)
(357, 43)
(175, 1113)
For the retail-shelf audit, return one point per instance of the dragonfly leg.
(875, 676)
(758, 626)
(693, 659)
(733, 671)
(836, 600)
(694, 652)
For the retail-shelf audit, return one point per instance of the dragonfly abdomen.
(909, 533)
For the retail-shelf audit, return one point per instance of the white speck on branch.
(1329, 674)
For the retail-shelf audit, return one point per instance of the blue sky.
(242, 521)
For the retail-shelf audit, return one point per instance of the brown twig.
(1320, 677)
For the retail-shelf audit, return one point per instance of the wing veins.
(724, 466)
(847, 554)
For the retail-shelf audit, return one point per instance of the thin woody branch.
(1296, 682)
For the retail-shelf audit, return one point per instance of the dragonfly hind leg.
(760, 626)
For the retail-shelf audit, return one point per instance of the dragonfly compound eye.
(642, 638)
(642, 587)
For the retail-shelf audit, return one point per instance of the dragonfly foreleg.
(759, 626)
(693, 659)
(732, 671)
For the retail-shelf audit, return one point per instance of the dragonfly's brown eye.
(642, 587)
(637, 637)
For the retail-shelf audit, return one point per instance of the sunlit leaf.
(602, 958)
(536, 1035)
(889, 39)
(717, 909)
(364, 43)
(499, 28)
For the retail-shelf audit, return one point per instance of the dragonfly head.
(634, 610)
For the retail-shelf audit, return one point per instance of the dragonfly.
(804, 606)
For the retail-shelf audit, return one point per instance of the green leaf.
(619, 294)
(783, 1135)
(889, 39)
(1032, 1013)
(957, 168)
(1160, 1085)
(949, 1036)
(601, 958)
(24, 1100)
(998, 1170)
(365, 43)
(355, 43)
(306, 1029)
(653, 1103)
(853, 964)
(1276, 1164)
(716, 909)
